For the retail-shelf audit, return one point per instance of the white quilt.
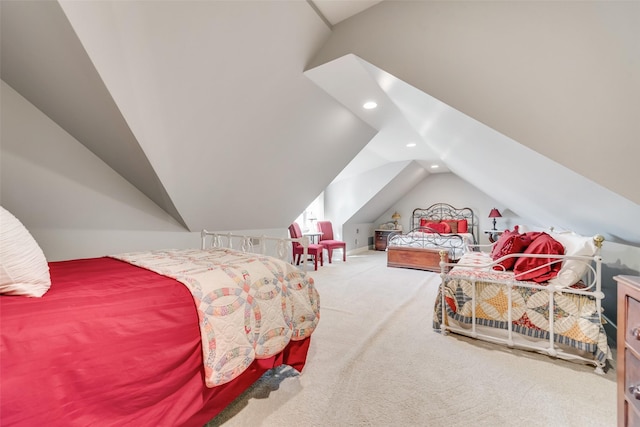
(451, 242)
(250, 306)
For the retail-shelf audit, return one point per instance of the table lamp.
(395, 217)
(495, 213)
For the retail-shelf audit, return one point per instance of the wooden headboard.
(441, 211)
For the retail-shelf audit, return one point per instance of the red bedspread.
(111, 344)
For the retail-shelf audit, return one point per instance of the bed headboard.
(442, 211)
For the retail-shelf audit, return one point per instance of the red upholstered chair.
(314, 250)
(327, 240)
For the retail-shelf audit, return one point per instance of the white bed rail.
(278, 247)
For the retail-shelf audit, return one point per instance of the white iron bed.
(277, 247)
(558, 318)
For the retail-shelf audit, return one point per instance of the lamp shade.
(495, 213)
(395, 216)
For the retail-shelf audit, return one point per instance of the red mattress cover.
(111, 344)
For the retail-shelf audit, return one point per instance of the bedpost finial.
(598, 239)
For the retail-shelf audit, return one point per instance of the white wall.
(359, 199)
(346, 198)
(446, 188)
(358, 235)
(73, 204)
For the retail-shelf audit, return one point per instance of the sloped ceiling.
(211, 94)
(471, 149)
(371, 192)
(562, 78)
(51, 69)
(536, 115)
(214, 108)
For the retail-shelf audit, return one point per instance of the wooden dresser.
(381, 237)
(628, 345)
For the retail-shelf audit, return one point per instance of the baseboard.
(359, 250)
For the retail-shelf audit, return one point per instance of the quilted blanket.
(456, 244)
(576, 321)
(249, 306)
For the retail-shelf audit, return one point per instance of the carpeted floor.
(376, 361)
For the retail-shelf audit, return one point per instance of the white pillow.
(23, 267)
(572, 270)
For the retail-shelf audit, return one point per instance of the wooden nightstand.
(381, 238)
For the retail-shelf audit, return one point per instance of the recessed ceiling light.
(434, 166)
(411, 144)
(369, 105)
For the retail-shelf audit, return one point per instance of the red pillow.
(514, 244)
(437, 226)
(533, 235)
(423, 222)
(504, 237)
(463, 226)
(542, 244)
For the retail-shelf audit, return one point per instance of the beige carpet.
(376, 361)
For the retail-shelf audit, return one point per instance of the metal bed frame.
(421, 250)
(279, 247)
(443, 211)
(593, 288)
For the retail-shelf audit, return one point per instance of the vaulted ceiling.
(211, 108)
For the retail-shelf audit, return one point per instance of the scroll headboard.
(442, 211)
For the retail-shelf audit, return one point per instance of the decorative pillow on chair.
(23, 267)
(542, 244)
